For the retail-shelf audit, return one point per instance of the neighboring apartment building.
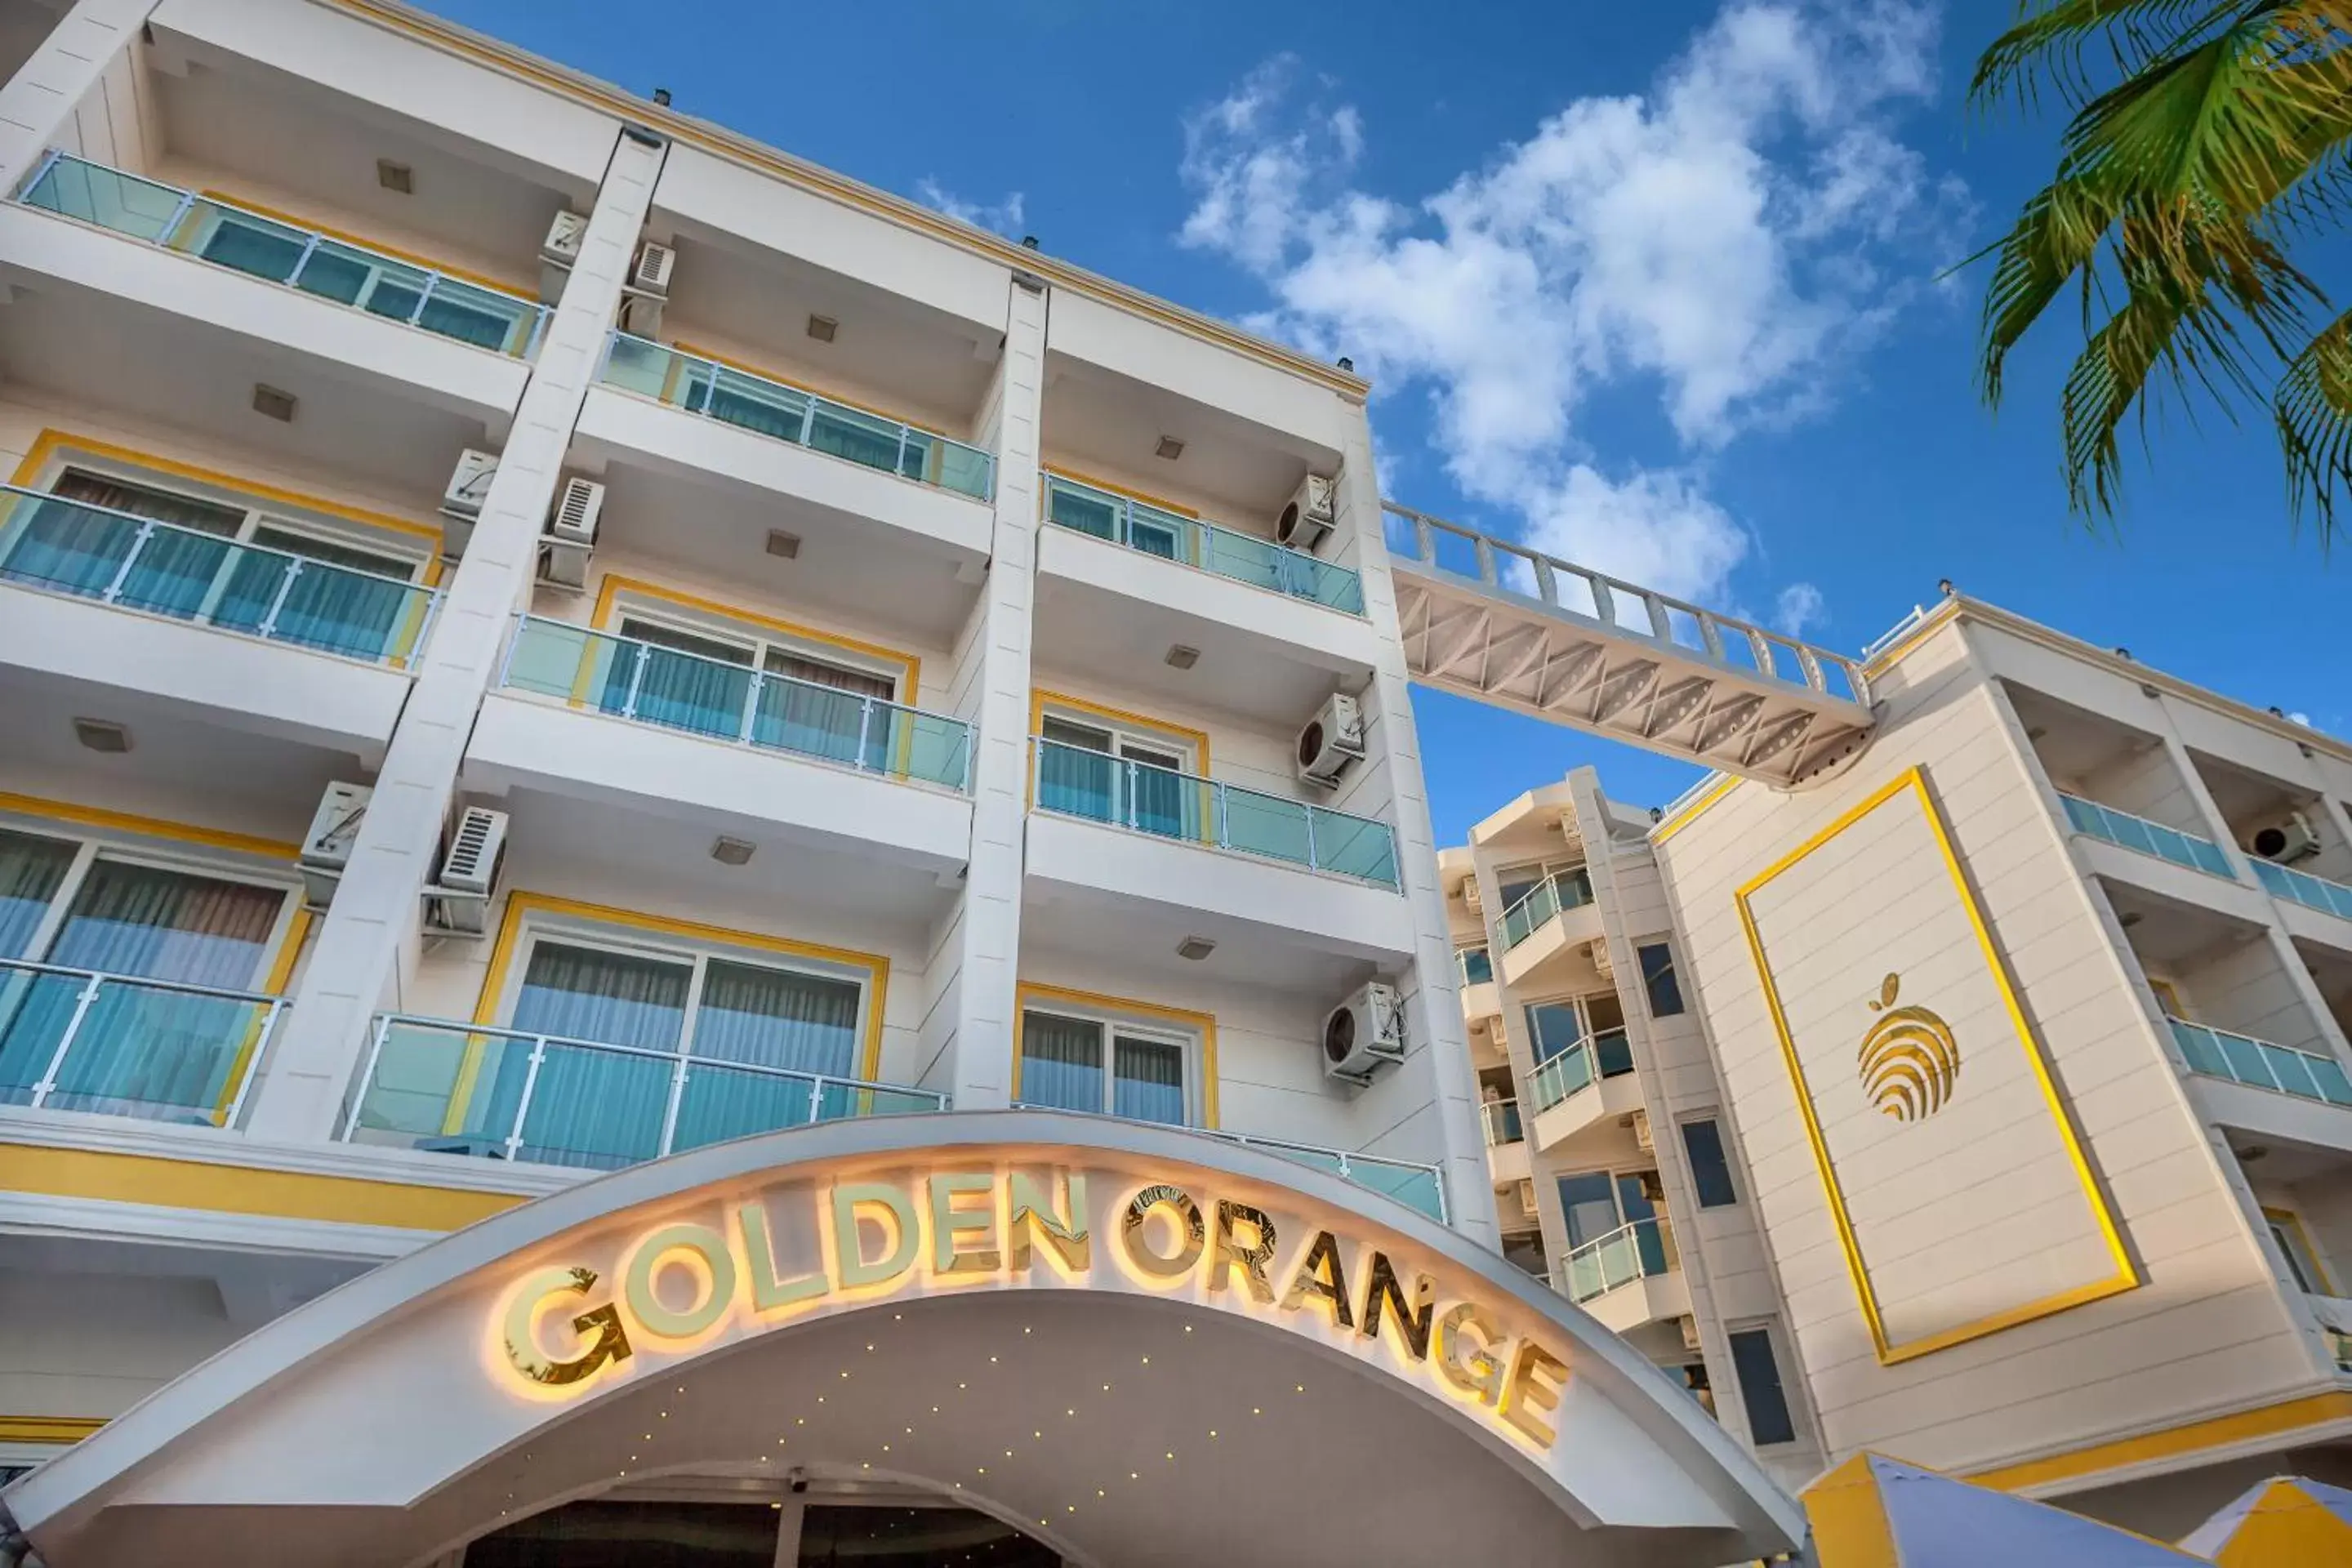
(1986, 1104)
(539, 638)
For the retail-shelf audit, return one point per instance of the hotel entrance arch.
(1135, 1346)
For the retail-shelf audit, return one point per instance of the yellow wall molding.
(148, 827)
(735, 148)
(49, 1428)
(2173, 1442)
(53, 443)
(296, 220)
(2291, 1222)
(1689, 813)
(242, 1189)
(1204, 1025)
(614, 586)
(1913, 781)
(1198, 739)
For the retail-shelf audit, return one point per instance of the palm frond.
(2313, 409)
(2047, 45)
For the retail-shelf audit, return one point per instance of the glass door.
(599, 1109)
(819, 709)
(1160, 790)
(681, 679)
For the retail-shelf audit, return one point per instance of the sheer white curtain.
(770, 1018)
(1148, 1080)
(1061, 1062)
(593, 1108)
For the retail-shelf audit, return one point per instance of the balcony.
(1190, 542)
(781, 412)
(2303, 887)
(1506, 1147)
(2146, 838)
(116, 1045)
(134, 563)
(1584, 1090)
(1539, 930)
(1072, 781)
(468, 1088)
(2259, 1064)
(1542, 903)
(1628, 1278)
(626, 678)
(231, 237)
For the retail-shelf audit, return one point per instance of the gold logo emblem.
(1909, 1058)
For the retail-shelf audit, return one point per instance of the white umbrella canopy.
(1874, 1512)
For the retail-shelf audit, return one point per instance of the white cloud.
(2302, 719)
(1799, 605)
(1004, 217)
(1723, 239)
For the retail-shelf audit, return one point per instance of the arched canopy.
(1142, 1345)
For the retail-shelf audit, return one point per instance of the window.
(1710, 1170)
(1105, 1066)
(1760, 1392)
(610, 1089)
(84, 542)
(2302, 1262)
(697, 674)
(1087, 768)
(1658, 978)
(1554, 1026)
(137, 1051)
(1598, 1202)
(1478, 966)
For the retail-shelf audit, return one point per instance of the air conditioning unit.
(327, 847)
(1363, 1034)
(1597, 951)
(462, 499)
(559, 253)
(1570, 831)
(649, 274)
(1690, 1332)
(1641, 1120)
(640, 315)
(571, 538)
(1526, 1195)
(1333, 739)
(2288, 841)
(1472, 899)
(1308, 518)
(458, 901)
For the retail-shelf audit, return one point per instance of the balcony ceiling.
(2075, 742)
(2175, 936)
(1140, 940)
(61, 342)
(1097, 421)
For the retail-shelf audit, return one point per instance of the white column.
(40, 99)
(367, 946)
(1437, 1072)
(988, 952)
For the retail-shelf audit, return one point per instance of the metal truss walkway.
(1488, 619)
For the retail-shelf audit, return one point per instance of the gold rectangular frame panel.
(1913, 782)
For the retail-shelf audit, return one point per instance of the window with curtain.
(1063, 1060)
(819, 709)
(601, 1108)
(680, 679)
(32, 868)
(1089, 770)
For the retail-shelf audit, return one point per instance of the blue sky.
(1656, 287)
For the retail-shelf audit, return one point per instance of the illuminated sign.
(683, 1284)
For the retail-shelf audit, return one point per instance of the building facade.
(631, 766)
(1987, 1104)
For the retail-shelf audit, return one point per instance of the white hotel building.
(697, 868)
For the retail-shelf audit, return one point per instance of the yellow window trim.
(1913, 781)
(2172, 1442)
(109, 1177)
(2292, 1222)
(148, 827)
(54, 443)
(800, 383)
(614, 586)
(430, 264)
(2167, 997)
(49, 1428)
(1203, 1024)
(1161, 503)
(521, 905)
(1040, 699)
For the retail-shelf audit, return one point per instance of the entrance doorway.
(654, 1533)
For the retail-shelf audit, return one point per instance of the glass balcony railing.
(2303, 887)
(1502, 1117)
(1538, 906)
(1579, 1067)
(598, 672)
(74, 1039)
(1073, 780)
(469, 1088)
(1260, 563)
(139, 564)
(276, 252)
(1476, 965)
(788, 413)
(1639, 1250)
(2147, 837)
(2218, 1053)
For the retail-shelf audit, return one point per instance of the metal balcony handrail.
(1706, 781)
(1618, 1259)
(1503, 1124)
(1574, 1069)
(683, 1064)
(2321, 893)
(2262, 1064)
(226, 1103)
(695, 393)
(580, 685)
(430, 283)
(418, 604)
(1536, 907)
(1227, 816)
(1213, 547)
(2145, 836)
